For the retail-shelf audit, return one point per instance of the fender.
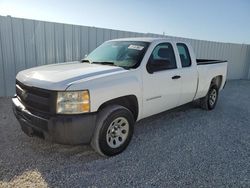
(106, 88)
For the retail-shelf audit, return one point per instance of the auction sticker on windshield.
(135, 47)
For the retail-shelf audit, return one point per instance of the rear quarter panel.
(207, 73)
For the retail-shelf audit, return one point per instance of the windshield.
(126, 54)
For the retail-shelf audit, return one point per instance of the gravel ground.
(185, 147)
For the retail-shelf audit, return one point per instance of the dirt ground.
(184, 147)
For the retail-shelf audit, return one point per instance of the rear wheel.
(210, 100)
(114, 130)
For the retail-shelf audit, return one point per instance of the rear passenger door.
(161, 80)
(189, 74)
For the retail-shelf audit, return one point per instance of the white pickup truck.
(99, 99)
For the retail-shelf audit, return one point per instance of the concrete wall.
(27, 43)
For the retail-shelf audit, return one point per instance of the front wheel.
(114, 130)
(210, 100)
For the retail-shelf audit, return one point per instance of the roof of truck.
(151, 40)
(143, 39)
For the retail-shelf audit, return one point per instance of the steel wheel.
(212, 97)
(209, 101)
(117, 132)
(114, 130)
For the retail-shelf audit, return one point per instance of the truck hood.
(60, 76)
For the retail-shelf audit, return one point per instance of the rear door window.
(184, 55)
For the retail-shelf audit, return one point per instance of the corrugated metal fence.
(27, 43)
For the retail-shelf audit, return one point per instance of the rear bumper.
(64, 129)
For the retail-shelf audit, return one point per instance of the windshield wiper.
(105, 63)
(109, 63)
(98, 62)
(85, 61)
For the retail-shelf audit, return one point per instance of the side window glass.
(162, 58)
(184, 55)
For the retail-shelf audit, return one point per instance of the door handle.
(176, 77)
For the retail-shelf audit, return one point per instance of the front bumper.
(64, 129)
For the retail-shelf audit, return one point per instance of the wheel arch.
(129, 101)
(217, 81)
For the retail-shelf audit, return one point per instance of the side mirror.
(158, 65)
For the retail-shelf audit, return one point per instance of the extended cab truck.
(99, 99)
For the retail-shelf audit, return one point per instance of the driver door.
(161, 81)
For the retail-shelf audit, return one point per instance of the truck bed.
(207, 70)
(208, 61)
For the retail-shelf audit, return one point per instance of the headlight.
(73, 102)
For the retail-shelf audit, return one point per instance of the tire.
(210, 100)
(113, 123)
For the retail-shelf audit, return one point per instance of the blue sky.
(216, 20)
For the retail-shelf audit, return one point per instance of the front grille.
(35, 99)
